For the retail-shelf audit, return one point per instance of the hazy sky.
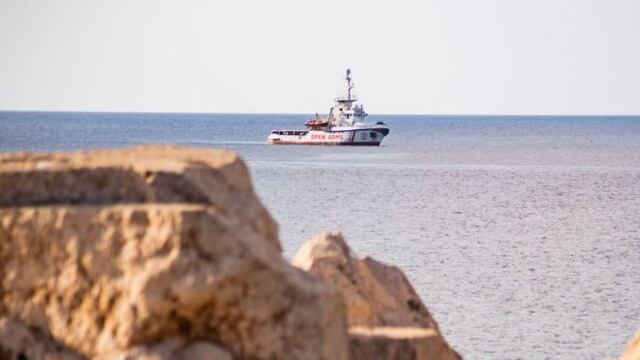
(407, 57)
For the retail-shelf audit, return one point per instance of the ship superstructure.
(344, 125)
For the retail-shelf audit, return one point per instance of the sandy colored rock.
(398, 343)
(386, 316)
(110, 252)
(375, 294)
(145, 174)
(172, 349)
(17, 341)
(633, 349)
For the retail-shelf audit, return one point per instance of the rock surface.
(17, 342)
(387, 319)
(375, 294)
(161, 252)
(111, 253)
(172, 349)
(398, 343)
(633, 349)
(147, 174)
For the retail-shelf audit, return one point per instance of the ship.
(344, 125)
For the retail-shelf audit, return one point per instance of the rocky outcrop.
(158, 252)
(398, 343)
(387, 319)
(161, 252)
(375, 294)
(633, 349)
(141, 175)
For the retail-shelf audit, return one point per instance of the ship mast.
(349, 86)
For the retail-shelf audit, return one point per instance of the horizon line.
(311, 113)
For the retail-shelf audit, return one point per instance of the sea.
(521, 234)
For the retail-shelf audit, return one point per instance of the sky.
(565, 57)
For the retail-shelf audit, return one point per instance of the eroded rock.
(387, 318)
(375, 294)
(399, 343)
(113, 252)
(145, 174)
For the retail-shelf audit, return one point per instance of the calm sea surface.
(521, 234)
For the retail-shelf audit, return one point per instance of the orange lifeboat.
(317, 124)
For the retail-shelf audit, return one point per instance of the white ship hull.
(344, 125)
(370, 135)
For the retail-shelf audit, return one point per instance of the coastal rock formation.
(387, 319)
(166, 253)
(633, 349)
(398, 343)
(375, 294)
(159, 251)
(147, 174)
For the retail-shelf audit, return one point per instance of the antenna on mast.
(349, 87)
